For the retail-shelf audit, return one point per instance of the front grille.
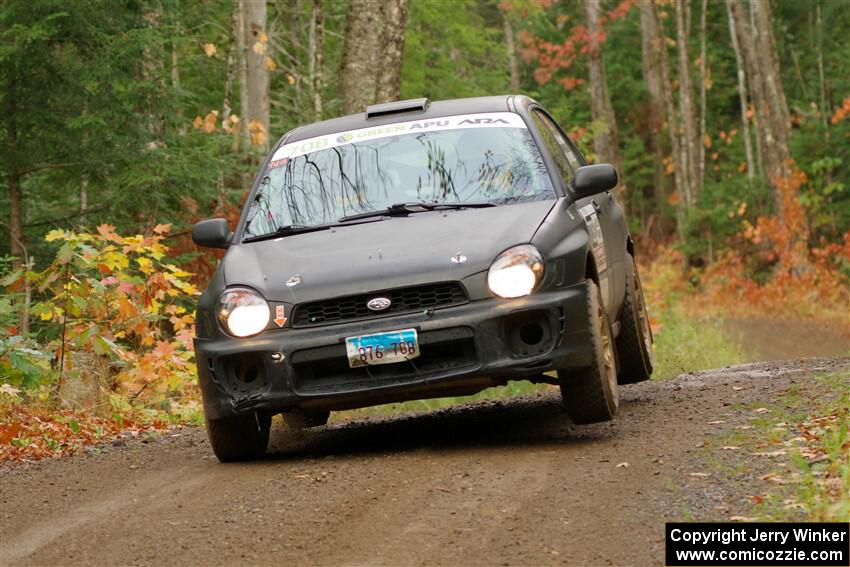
(404, 300)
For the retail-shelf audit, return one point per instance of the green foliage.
(453, 53)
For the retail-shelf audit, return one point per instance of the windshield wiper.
(288, 230)
(414, 207)
(299, 229)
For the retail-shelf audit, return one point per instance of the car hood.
(395, 252)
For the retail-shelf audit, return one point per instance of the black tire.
(299, 419)
(634, 343)
(242, 438)
(590, 394)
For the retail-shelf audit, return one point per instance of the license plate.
(382, 348)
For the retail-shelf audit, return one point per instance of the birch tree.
(688, 148)
(254, 73)
(605, 139)
(742, 94)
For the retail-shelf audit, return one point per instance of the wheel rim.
(643, 315)
(607, 351)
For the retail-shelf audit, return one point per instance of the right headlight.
(243, 312)
(516, 272)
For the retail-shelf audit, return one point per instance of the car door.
(594, 210)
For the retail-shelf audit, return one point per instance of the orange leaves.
(554, 58)
(113, 295)
(29, 434)
(257, 132)
(841, 112)
(209, 49)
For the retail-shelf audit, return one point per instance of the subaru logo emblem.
(379, 304)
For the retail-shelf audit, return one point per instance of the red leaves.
(28, 433)
(555, 57)
(842, 111)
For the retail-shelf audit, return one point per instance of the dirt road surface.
(490, 483)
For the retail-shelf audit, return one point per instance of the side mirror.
(212, 233)
(592, 179)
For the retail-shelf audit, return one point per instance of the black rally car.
(419, 249)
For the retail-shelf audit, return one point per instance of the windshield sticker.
(481, 120)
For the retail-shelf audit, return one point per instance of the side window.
(566, 145)
(555, 144)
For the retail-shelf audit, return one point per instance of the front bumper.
(464, 349)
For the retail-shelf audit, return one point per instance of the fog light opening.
(248, 373)
(531, 334)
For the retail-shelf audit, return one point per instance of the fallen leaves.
(31, 434)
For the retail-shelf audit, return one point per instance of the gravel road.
(490, 483)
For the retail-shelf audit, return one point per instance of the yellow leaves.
(706, 141)
(207, 123)
(55, 234)
(257, 132)
(269, 63)
(231, 124)
(162, 228)
(290, 79)
(209, 49)
(260, 45)
(145, 265)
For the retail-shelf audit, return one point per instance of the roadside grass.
(797, 452)
(687, 342)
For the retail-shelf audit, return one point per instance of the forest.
(122, 124)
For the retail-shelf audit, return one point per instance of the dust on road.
(490, 483)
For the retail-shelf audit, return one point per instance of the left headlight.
(516, 272)
(243, 312)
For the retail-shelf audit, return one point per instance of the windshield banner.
(481, 120)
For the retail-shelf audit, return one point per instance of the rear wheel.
(590, 394)
(634, 343)
(241, 438)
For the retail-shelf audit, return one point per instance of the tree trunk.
(742, 95)
(651, 45)
(702, 94)
(391, 52)
(821, 79)
(363, 33)
(605, 140)
(755, 35)
(317, 57)
(690, 155)
(510, 45)
(255, 110)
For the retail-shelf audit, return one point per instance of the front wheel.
(241, 438)
(590, 394)
(634, 343)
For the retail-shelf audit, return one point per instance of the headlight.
(243, 312)
(516, 272)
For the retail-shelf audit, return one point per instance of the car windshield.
(475, 159)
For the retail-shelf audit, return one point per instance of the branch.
(93, 209)
(40, 166)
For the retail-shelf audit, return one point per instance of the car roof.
(435, 109)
